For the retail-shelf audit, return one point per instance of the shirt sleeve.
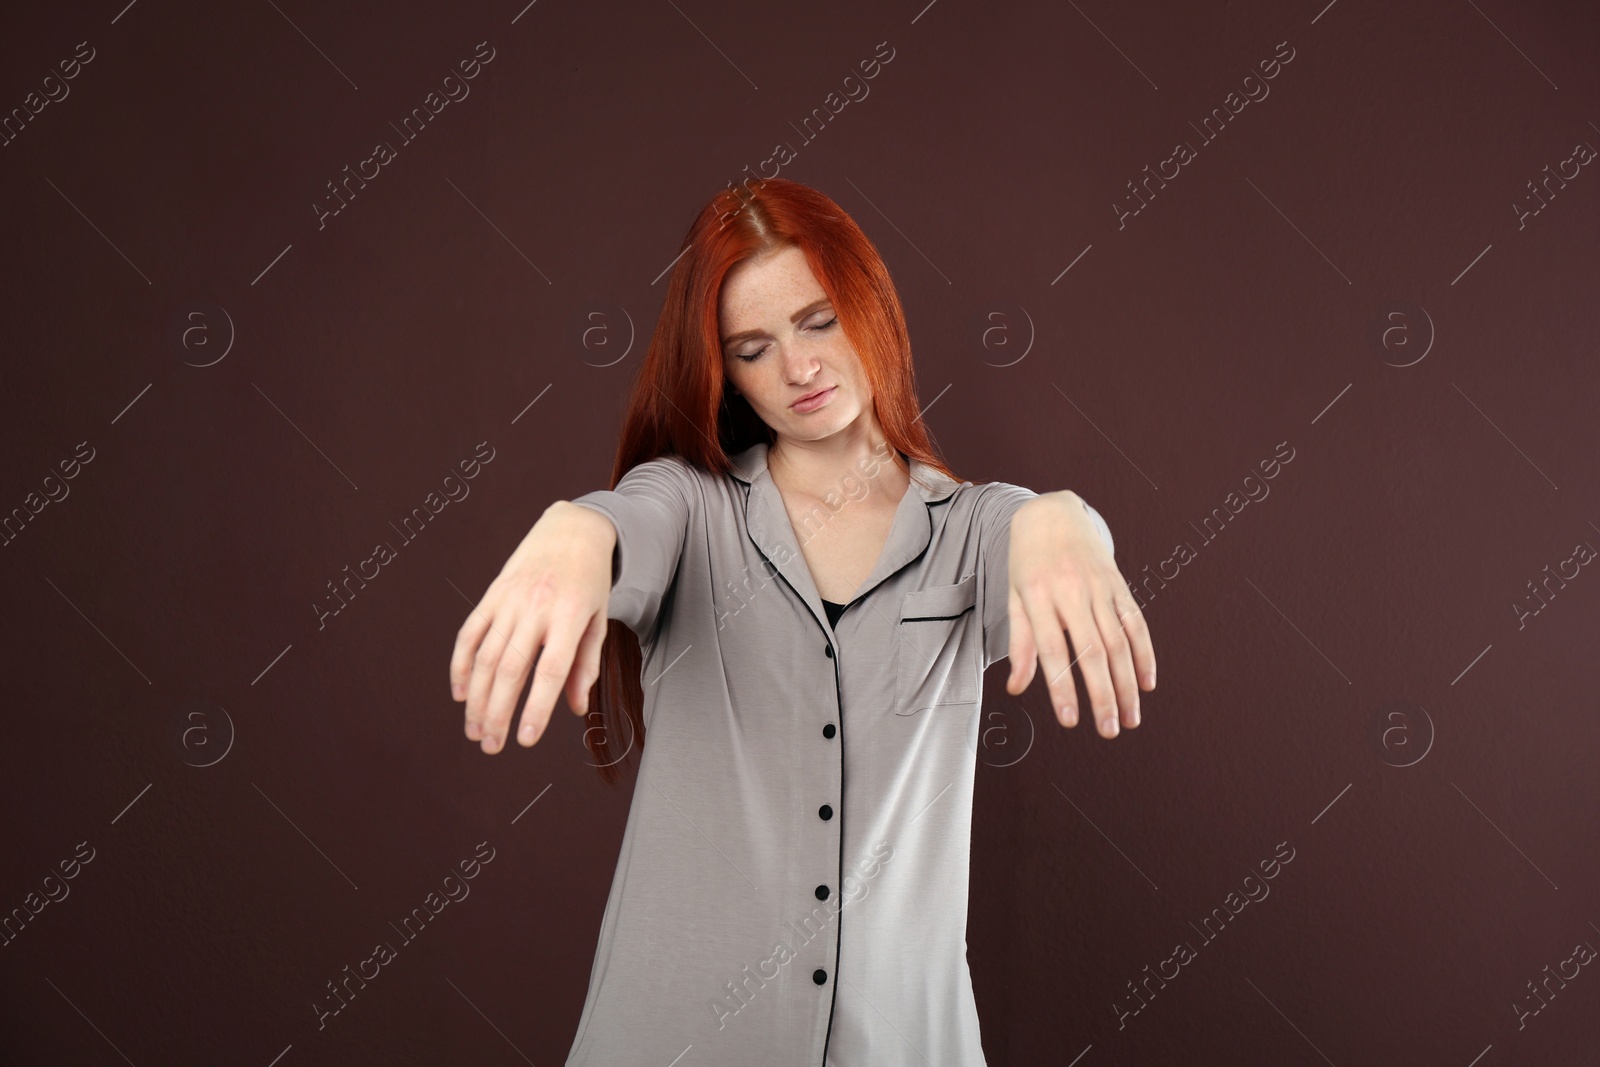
(997, 503)
(651, 508)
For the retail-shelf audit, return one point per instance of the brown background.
(1361, 616)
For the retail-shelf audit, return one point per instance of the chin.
(836, 418)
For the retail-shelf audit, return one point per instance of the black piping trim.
(921, 618)
(838, 934)
(838, 937)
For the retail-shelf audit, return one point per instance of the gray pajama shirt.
(792, 886)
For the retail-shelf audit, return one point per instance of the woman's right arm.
(612, 554)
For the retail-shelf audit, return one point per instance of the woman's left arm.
(1062, 577)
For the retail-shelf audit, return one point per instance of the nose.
(799, 368)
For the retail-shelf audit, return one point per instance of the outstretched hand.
(548, 604)
(1063, 578)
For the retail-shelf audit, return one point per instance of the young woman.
(815, 598)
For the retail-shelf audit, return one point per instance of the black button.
(822, 892)
(827, 650)
(828, 731)
(825, 811)
(819, 976)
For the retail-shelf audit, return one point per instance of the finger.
(1119, 658)
(560, 643)
(509, 675)
(1092, 660)
(1022, 654)
(1133, 624)
(484, 661)
(583, 677)
(467, 640)
(1054, 655)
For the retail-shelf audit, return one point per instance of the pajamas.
(792, 885)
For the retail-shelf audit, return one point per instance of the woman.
(815, 598)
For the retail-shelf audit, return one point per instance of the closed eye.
(752, 357)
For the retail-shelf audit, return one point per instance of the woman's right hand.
(551, 594)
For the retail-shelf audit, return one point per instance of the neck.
(856, 454)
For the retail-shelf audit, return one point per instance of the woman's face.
(781, 342)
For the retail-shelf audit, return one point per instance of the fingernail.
(491, 743)
(1108, 726)
(1149, 679)
(1136, 710)
(1070, 715)
(474, 731)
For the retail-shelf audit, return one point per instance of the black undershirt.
(834, 611)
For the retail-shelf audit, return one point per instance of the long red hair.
(678, 398)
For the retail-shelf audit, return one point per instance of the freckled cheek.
(839, 358)
(739, 377)
(760, 387)
(855, 373)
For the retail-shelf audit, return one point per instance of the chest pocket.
(933, 663)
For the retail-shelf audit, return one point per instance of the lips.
(810, 396)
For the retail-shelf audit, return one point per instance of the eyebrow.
(745, 335)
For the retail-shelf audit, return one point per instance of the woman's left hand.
(1062, 577)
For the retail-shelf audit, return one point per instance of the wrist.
(565, 511)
